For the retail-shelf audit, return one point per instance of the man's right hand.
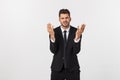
(51, 31)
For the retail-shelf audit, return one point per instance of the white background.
(24, 42)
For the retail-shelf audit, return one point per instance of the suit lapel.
(60, 32)
(70, 34)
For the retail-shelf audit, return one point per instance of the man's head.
(64, 18)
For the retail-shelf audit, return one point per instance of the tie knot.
(65, 31)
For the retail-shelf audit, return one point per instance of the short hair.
(64, 11)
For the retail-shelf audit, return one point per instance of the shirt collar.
(65, 29)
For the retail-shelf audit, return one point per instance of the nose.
(64, 19)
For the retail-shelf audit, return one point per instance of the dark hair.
(64, 11)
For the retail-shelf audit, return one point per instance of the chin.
(65, 25)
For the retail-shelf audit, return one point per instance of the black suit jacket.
(72, 49)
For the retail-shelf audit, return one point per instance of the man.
(65, 44)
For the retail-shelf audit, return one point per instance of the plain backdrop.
(24, 42)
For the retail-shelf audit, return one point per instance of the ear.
(70, 18)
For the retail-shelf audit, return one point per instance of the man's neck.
(65, 27)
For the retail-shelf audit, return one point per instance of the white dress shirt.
(67, 33)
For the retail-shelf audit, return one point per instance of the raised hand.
(50, 30)
(79, 31)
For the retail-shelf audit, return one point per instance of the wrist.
(52, 37)
(76, 39)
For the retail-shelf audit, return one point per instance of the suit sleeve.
(53, 46)
(77, 46)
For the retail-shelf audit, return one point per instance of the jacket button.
(63, 58)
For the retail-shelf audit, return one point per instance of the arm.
(53, 46)
(77, 39)
(51, 38)
(77, 46)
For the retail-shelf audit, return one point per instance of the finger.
(77, 27)
(83, 26)
(52, 27)
(49, 25)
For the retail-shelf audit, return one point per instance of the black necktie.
(65, 38)
(65, 41)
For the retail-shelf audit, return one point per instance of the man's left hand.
(79, 31)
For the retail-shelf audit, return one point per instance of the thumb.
(78, 27)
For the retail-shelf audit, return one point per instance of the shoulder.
(57, 28)
(73, 28)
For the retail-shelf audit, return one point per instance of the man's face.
(64, 20)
